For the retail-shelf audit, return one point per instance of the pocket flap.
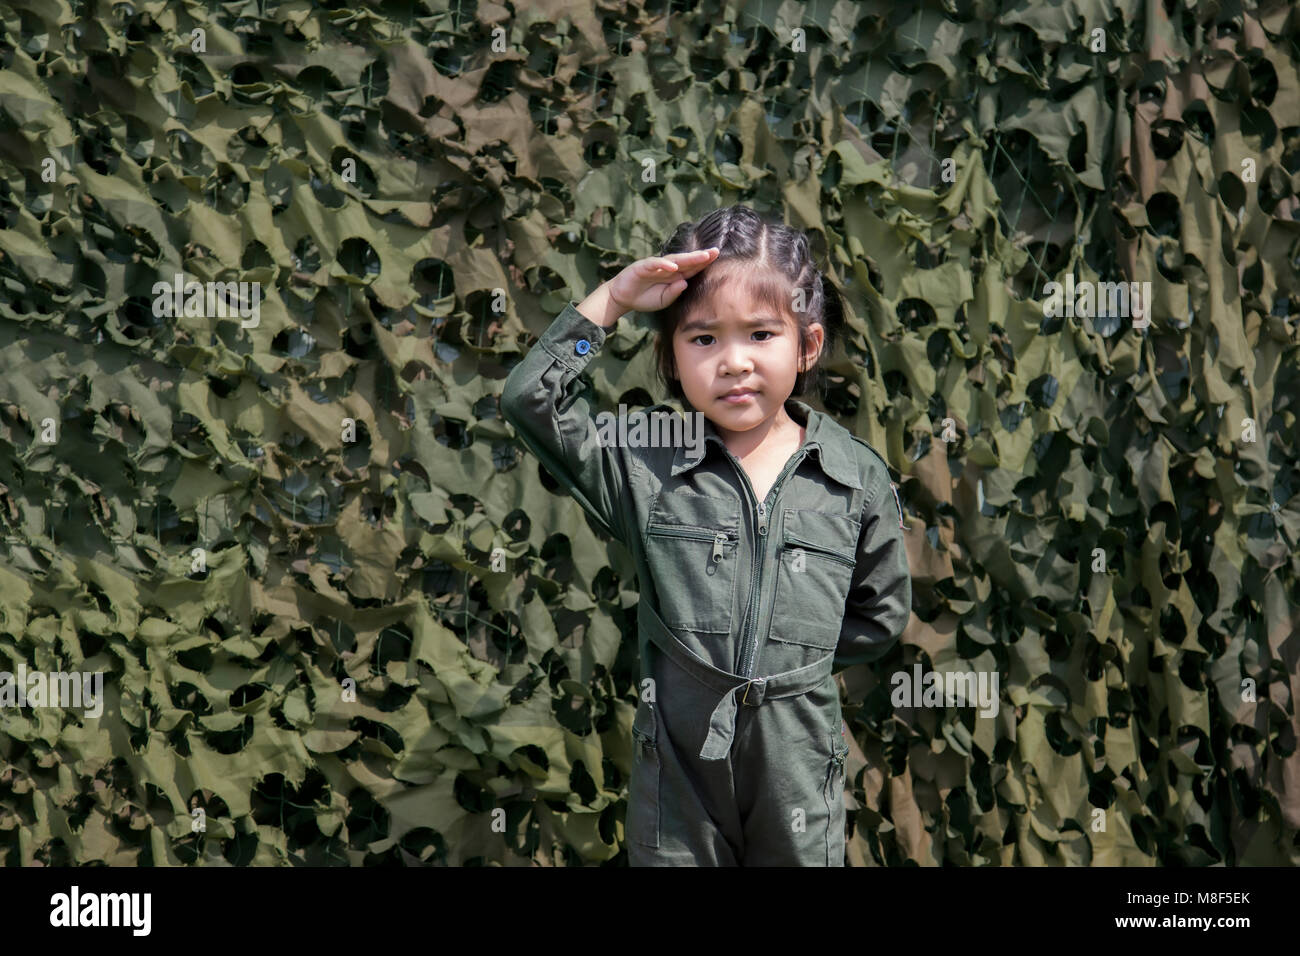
(696, 511)
(814, 531)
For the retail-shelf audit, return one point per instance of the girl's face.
(732, 342)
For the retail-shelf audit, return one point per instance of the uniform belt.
(752, 690)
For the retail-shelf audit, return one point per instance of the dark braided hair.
(773, 260)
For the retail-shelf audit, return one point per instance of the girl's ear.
(810, 351)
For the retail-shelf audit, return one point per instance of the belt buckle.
(749, 683)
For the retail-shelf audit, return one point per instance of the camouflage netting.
(418, 190)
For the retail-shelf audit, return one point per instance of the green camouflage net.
(342, 619)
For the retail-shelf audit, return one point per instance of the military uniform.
(746, 610)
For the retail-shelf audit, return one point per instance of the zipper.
(749, 640)
(719, 538)
(676, 531)
(820, 549)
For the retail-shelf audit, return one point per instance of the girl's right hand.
(649, 285)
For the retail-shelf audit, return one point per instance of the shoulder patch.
(894, 488)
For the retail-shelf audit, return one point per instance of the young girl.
(769, 556)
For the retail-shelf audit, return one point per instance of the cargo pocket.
(643, 790)
(814, 573)
(691, 544)
(834, 793)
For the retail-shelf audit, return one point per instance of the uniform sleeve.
(880, 598)
(540, 400)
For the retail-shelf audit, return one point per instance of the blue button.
(583, 347)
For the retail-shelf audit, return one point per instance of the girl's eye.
(759, 332)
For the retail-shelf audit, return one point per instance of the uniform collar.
(827, 437)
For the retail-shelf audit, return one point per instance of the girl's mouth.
(739, 398)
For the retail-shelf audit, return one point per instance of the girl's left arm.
(880, 597)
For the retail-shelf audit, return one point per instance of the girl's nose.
(735, 360)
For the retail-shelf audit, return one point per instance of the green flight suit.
(746, 610)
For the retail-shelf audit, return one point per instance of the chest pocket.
(814, 574)
(691, 544)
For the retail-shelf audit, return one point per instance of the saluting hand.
(648, 285)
